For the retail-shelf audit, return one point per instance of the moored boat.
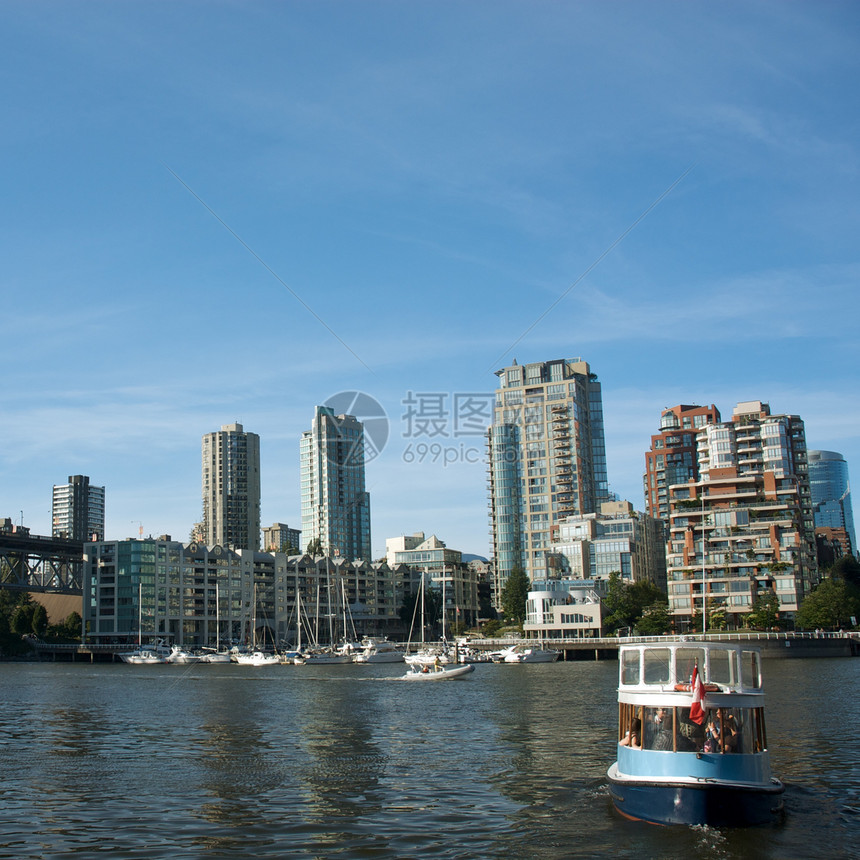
(257, 658)
(528, 654)
(692, 746)
(181, 655)
(379, 651)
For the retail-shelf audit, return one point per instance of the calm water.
(345, 761)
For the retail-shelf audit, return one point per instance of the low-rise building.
(444, 571)
(193, 594)
(564, 609)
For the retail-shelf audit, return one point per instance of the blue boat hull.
(717, 805)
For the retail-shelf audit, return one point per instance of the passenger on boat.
(633, 738)
(712, 737)
(663, 737)
(730, 739)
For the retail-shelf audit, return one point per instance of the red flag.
(697, 713)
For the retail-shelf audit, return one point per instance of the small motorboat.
(692, 746)
(438, 673)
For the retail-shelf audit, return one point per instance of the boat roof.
(667, 666)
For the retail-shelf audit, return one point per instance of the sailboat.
(256, 657)
(218, 655)
(435, 654)
(328, 654)
(151, 653)
(427, 665)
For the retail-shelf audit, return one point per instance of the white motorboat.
(143, 657)
(429, 657)
(379, 651)
(257, 658)
(215, 657)
(322, 656)
(438, 673)
(180, 655)
(525, 654)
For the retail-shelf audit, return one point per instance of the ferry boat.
(692, 746)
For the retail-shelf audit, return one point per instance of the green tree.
(491, 627)
(655, 619)
(765, 612)
(847, 568)
(830, 606)
(618, 605)
(315, 548)
(21, 621)
(68, 629)
(514, 596)
(40, 620)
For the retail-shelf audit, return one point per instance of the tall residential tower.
(231, 488)
(78, 510)
(744, 528)
(672, 458)
(547, 460)
(335, 504)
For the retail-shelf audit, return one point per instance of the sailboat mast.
(444, 606)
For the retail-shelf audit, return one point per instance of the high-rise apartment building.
(78, 510)
(672, 458)
(278, 537)
(831, 497)
(231, 488)
(335, 504)
(547, 460)
(745, 527)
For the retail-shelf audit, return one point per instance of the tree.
(765, 612)
(830, 606)
(619, 608)
(655, 619)
(315, 548)
(39, 620)
(847, 568)
(68, 628)
(492, 627)
(514, 596)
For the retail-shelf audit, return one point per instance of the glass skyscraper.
(831, 494)
(335, 504)
(547, 460)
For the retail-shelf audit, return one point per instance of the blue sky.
(384, 197)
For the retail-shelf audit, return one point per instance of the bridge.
(33, 563)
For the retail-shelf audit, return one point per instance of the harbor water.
(226, 761)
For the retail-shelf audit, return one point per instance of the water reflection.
(149, 762)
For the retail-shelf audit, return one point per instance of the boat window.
(731, 730)
(751, 669)
(670, 730)
(630, 667)
(657, 666)
(685, 660)
(722, 667)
